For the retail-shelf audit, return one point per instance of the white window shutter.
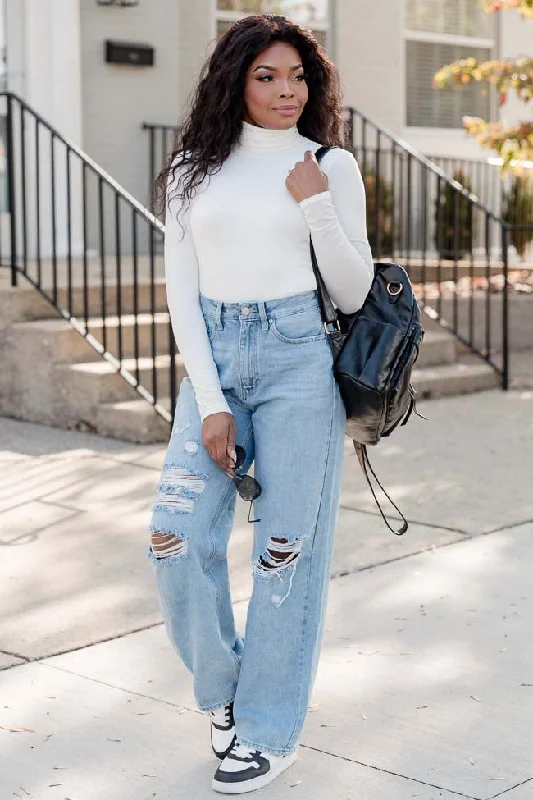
(444, 108)
(461, 17)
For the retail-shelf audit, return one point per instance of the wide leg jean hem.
(274, 751)
(214, 706)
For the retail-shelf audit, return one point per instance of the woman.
(244, 192)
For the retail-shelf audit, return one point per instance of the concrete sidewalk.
(425, 684)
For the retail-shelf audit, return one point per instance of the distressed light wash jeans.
(275, 369)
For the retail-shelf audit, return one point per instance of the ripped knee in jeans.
(167, 544)
(179, 489)
(279, 555)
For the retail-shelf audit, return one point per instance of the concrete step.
(66, 344)
(53, 340)
(18, 305)
(24, 303)
(463, 377)
(136, 420)
(132, 420)
(99, 382)
(126, 296)
(158, 324)
(438, 347)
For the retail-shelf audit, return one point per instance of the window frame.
(461, 40)
(232, 16)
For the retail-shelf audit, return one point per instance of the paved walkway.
(425, 684)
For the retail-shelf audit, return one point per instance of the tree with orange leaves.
(513, 143)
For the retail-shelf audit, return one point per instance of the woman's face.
(275, 91)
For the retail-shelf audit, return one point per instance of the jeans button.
(245, 310)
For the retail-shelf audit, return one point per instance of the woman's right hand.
(219, 432)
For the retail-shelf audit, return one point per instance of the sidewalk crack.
(37, 659)
(179, 706)
(511, 788)
(411, 521)
(464, 537)
(14, 655)
(455, 792)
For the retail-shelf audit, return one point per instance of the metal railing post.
(505, 306)
(11, 191)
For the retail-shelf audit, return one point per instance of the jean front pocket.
(300, 327)
(211, 328)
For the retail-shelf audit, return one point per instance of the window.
(462, 17)
(439, 32)
(314, 15)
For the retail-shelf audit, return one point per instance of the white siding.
(118, 99)
(370, 58)
(105, 115)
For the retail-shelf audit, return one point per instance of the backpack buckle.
(336, 327)
(394, 289)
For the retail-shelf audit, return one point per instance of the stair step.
(52, 339)
(23, 302)
(438, 347)
(69, 345)
(103, 383)
(159, 323)
(126, 295)
(136, 420)
(463, 377)
(133, 421)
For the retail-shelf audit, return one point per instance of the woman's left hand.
(306, 178)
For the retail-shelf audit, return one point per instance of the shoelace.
(227, 714)
(241, 751)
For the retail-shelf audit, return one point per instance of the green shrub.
(518, 210)
(384, 215)
(446, 241)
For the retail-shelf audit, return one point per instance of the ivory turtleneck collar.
(255, 139)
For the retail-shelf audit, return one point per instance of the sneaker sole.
(255, 783)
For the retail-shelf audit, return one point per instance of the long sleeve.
(337, 222)
(188, 325)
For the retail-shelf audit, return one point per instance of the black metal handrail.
(94, 252)
(454, 245)
(91, 250)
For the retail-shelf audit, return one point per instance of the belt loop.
(218, 317)
(263, 314)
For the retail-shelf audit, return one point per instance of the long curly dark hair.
(213, 123)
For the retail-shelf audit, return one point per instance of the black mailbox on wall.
(136, 55)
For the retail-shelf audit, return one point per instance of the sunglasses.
(247, 487)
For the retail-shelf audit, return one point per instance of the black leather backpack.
(374, 350)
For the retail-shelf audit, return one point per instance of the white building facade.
(386, 51)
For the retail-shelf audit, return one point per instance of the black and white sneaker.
(244, 770)
(222, 730)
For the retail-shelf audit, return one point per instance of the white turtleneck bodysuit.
(247, 239)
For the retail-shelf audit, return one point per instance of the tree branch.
(525, 7)
(505, 74)
(513, 143)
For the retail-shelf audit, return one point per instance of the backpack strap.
(330, 318)
(362, 455)
(329, 315)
